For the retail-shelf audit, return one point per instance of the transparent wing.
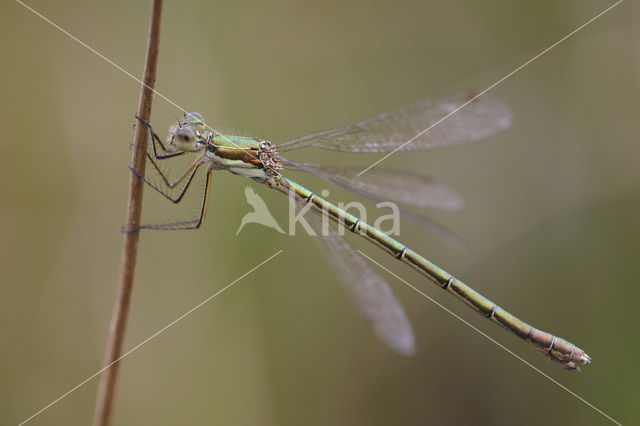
(386, 132)
(415, 189)
(371, 294)
(376, 190)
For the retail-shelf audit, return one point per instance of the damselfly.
(474, 117)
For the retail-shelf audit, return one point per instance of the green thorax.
(239, 142)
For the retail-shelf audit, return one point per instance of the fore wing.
(445, 120)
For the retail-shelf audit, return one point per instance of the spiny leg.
(165, 178)
(154, 138)
(191, 223)
(190, 172)
(184, 224)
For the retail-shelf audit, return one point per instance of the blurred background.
(551, 216)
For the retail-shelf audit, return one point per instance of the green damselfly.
(475, 117)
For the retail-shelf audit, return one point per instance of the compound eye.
(185, 134)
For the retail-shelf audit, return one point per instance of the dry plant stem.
(107, 388)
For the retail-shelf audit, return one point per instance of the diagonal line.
(150, 337)
(280, 251)
(494, 341)
(491, 87)
(124, 71)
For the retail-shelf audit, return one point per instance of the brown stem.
(108, 379)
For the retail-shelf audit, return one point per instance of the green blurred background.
(551, 215)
